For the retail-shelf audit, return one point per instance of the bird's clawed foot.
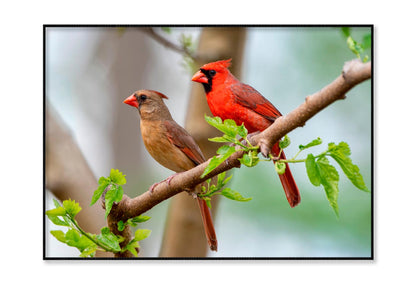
(244, 141)
(167, 180)
(253, 134)
(152, 188)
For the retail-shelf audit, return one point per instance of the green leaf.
(224, 149)
(57, 204)
(246, 160)
(117, 177)
(234, 195)
(132, 221)
(224, 152)
(99, 191)
(329, 179)
(215, 161)
(346, 31)
(141, 234)
(312, 170)
(114, 194)
(59, 211)
(119, 194)
(59, 235)
(221, 139)
(250, 159)
(342, 147)
(351, 44)
(85, 244)
(280, 167)
(72, 237)
(75, 239)
(340, 153)
(103, 180)
(186, 41)
(213, 121)
(213, 189)
(285, 142)
(121, 30)
(89, 251)
(189, 63)
(354, 46)
(121, 225)
(242, 131)
(220, 178)
(366, 41)
(233, 130)
(139, 219)
(71, 207)
(58, 221)
(132, 247)
(223, 183)
(108, 239)
(229, 127)
(204, 189)
(166, 29)
(230, 123)
(315, 142)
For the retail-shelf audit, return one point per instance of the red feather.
(248, 97)
(228, 98)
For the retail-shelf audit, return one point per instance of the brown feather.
(170, 145)
(179, 137)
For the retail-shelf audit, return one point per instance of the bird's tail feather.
(208, 224)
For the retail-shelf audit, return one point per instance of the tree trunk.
(184, 234)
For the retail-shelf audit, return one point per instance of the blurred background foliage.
(89, 71)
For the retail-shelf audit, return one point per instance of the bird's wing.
(248, 97)
(179, 137)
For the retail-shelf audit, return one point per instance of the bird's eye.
(212, 72)
(142, 97)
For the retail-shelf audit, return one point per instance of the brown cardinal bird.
(228, 98)
(170, 144)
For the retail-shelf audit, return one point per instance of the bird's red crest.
(224, 63)
(213, 65)
(160, 94)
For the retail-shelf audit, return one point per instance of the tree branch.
(175, 47)
(354, 72)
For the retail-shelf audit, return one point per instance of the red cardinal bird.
(228, 98)
(170, 144)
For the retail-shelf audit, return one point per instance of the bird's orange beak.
(132, 101)
(199, 77)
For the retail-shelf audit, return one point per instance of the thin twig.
(165, 42)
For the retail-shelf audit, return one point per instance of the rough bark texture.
(184, 234)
